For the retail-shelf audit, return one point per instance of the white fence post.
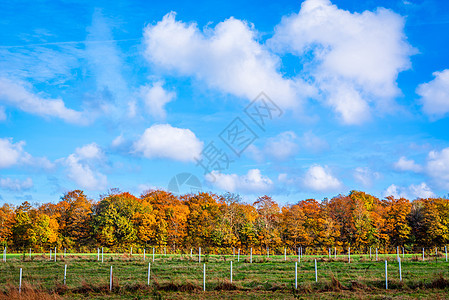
(143, 253)
(251, 256)
(199, 254)
(296, 275)
(55, 254)
(386, 276)
(20, 281)
(400, 270)
(204, 278)
(101, 254)
(50, 254)
(349, 255)
(445, 250)
(370, 252)
(397, 252)
(285, 254)
(110, 280)
(238, 255)
(149, 270)
(403, 252)
(30, 253)
(316, 272)
(191, 253)
(335, 253)
(231, 271)
(65, 274)
(153, 254)
(422, 254)
(233, 251)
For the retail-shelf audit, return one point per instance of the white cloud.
(155, 97)
(227, 58)
(355, 57)
(404, 164)
(16, 185)
(365, 176)
(438, 167)
(15, 94)
(38, 63)
(435, 95)
(2, 114)
(90, 151)
(118, 141)
(81, 167)
(252, 182)
(313, 143)
(320, 178)
(421, 190)
(106, 63)
(11, 154)
(255, 153)
(282, 146)
(165, 141)
(411, 192)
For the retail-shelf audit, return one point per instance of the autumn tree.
(113, 222)
(202, 220)
(396, 223)
(74, 215)
(169, 218)
(267, 222)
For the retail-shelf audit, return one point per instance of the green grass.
(179, 276)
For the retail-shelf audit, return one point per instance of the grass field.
(181, 277)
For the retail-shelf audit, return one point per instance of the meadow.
(181, 277)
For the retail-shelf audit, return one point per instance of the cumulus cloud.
(12, 154)
(252, 182)
(227, 57)
(355, 57)
(155, 97)
(404, 164)
(365, 176)
(435, 95)
(313, 143)
(81, 167)
(16, 185)
(421, 190)
(14, 93)
(165, 141)
(437, 167)
(282, 146)
(320, 178)
(90, 151)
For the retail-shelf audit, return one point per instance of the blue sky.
(129, 94)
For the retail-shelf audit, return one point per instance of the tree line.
(219, 223)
